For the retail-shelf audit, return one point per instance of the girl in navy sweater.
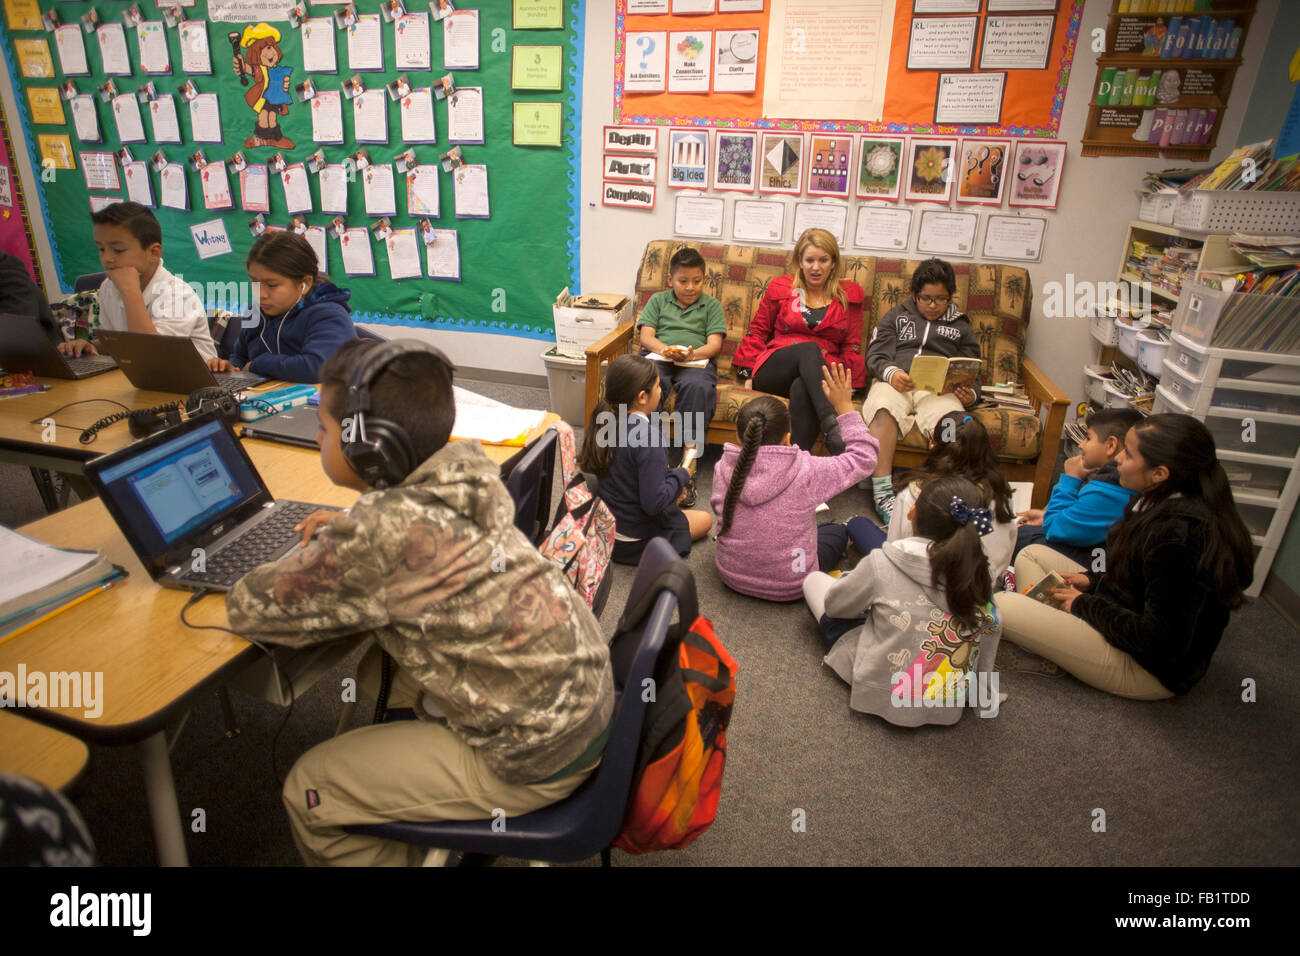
(625, 448)
(302, 318)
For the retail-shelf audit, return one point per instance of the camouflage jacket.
(436, 570)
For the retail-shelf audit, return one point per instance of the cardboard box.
(582, 320)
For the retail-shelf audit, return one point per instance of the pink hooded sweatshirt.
(771, 545)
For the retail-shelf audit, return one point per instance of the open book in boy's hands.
(1042, 591)
(934, 373)
(677, 355)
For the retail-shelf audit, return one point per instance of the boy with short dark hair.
(501, 661)
(684, 324)
(1088, 497)
(929, 323)
(139, 293)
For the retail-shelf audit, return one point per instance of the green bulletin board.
(512, 264)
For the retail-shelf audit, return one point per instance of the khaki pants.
(1066, 639)
(917, 407)
(409, 770)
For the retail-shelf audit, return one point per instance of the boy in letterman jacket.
(926, 324)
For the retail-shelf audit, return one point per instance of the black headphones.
(380, 450)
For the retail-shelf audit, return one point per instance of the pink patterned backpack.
(582, 537)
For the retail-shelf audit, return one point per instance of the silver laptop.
(24, 347)
(193, 507)
(167, 363)
(294, 426)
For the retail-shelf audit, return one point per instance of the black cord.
(87, 434)
(293, 697)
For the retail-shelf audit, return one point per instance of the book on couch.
(940, 375)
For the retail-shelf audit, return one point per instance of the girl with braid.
(767, 491)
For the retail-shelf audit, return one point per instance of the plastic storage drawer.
(1188, 357)
(1186, 388)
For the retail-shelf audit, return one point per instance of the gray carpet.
(1206, 779)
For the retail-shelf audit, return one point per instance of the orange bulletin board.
(1032, 99)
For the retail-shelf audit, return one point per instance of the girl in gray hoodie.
(913, 629)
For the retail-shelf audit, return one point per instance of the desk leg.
(45, 486)
(168, 833)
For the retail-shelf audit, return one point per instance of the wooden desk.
(41, 753)
(153, 665)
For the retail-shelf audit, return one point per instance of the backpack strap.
(675, 577)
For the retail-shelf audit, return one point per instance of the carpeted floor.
(1205, 779)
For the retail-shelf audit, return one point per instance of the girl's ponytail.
(626, 378)
(596, 455)
(763, 421)
(959, 567)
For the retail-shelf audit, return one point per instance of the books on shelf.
(934, 373)
(1255, 322)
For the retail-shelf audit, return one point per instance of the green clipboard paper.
(538, 124)
(537, 68)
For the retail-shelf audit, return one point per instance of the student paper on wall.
(173, 191)
(112, 49)
(162, 115)
(417, 116)
(366, 44)
(139, 188)
(460, 40)
(403, 254)
(334, 188)
(470, 191)
(422, 191)
(216, 187)
(297, 190)
(378, 190)
(154, 58)
(370, 117)
(411, 41)
(126, 114)
(443, 255)
(100, 171)
(465, 115)
(85, 119)
(690, 61)
(71, 45)
(358, 257)
(211, 239)
(254, 188)
(645, 64)
(688, 159)
(315, 236)
(735, 68)
(318, 54)
(205, 119)
(327, 116)
(195, 57)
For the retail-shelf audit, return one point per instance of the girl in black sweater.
(1175, 565)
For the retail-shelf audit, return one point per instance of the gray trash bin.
(567, 380)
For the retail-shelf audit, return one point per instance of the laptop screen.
(168, 491)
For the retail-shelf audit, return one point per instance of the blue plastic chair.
(584, 823)
(89, 282)
(530, 483)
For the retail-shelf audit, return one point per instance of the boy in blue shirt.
(685, 324)
(1088, 497)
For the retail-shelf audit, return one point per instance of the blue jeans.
(697, 394)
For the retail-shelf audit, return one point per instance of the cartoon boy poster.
(269, 95)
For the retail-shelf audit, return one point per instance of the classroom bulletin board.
(15, 227)
(1009, 33)
(512, 263)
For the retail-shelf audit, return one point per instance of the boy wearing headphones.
(302, 318)
(503, 664)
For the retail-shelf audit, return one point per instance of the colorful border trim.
(1052, 130)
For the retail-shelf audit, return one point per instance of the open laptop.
(294, 426)
(193, 486)
(167, 363)
(24, 347)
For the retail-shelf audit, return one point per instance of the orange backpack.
(678, 777)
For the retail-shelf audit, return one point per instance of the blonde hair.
(824, 241)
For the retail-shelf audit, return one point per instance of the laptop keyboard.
(264, 542)
(89, 364)
(236, 380)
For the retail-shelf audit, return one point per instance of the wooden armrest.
(1039, 387)
(614, 344)
(1042, 391)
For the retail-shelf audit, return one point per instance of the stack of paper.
(37, 579)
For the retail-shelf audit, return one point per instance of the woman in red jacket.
(805, 321)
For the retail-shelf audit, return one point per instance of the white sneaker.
(821, 508)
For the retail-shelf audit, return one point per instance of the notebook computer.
(167, 363)
(193, 486)
(295, 426)
(24, 347)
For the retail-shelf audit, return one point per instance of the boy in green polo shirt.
(683, 324)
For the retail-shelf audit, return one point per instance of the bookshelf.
(1177, 113)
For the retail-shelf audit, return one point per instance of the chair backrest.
(89, 282)
(226, 336)
(530, 483)
(367, 334)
